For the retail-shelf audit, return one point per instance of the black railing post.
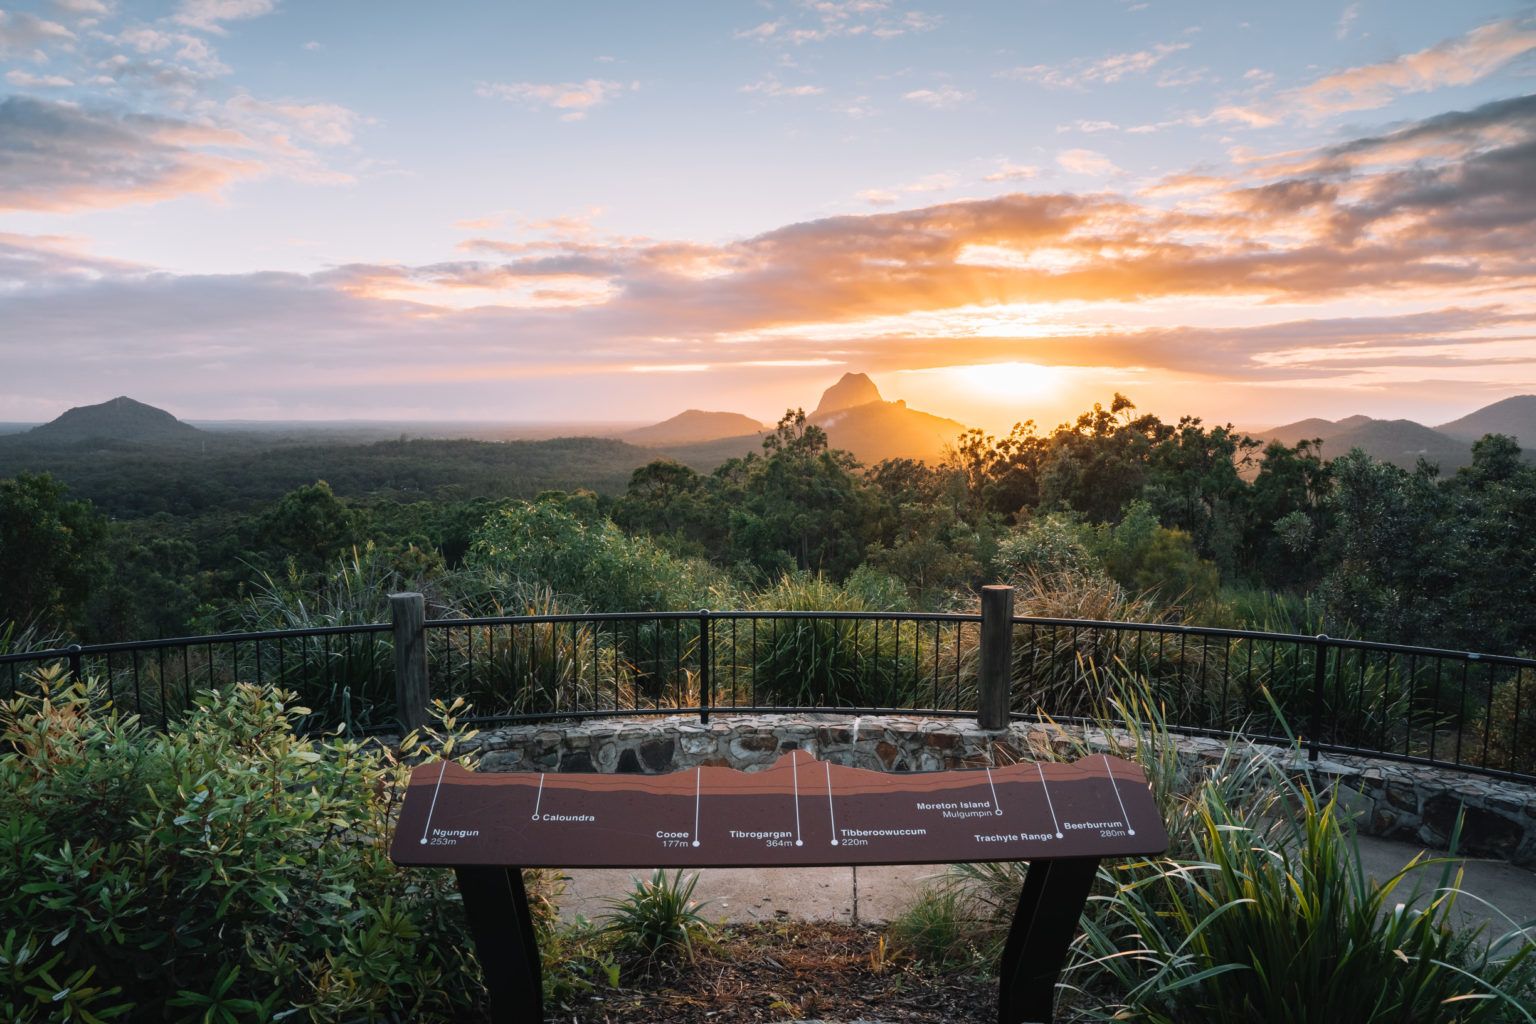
(413, 690)
(74, 661)
(706, 678)
(994, 702)
(1319, 669)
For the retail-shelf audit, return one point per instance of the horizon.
(626, 425)
(241, 210)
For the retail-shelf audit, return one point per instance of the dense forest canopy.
(1190, 522)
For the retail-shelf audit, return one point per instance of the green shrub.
(658, 920)
(225, 870)
(1057, 542)
(564, 543)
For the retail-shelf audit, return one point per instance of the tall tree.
(50, 552)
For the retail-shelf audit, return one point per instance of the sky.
(328, 209)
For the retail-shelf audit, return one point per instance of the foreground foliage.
(1260, 910)
(224, 871)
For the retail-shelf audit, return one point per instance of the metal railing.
(1448, 708)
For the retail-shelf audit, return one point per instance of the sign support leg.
(1054, 894)
(497, 907)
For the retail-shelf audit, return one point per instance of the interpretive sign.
(800, 812)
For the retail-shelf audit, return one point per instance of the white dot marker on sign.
(831, 812)
(698, 794)
(1110, 771)
(1048, 802)
(539, 799)
(435, 790)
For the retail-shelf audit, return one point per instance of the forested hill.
(121, 418)
(128, 480)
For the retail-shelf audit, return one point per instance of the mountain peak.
(693, 426)
(118, 419)
(853, 390)
(1515, 416)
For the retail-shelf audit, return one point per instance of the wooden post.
(413, 691)
(995, 676)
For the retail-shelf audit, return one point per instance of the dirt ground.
(786, 971)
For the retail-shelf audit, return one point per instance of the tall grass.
(1261, 909)
(808, 660)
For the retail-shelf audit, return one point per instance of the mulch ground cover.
(786, 971)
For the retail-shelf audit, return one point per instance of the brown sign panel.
(800, 812)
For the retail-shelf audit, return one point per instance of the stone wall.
(1396, 801)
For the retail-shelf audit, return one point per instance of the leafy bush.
(225, 870)
(1057, 542)
(1148, 558)
(566, 544)
(658, 920)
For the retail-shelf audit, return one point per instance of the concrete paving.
(1500, 895)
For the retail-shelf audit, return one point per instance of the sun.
(1009, 380)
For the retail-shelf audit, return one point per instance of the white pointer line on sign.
(540, 798)
(698, 786)
(794, 767)
(830, 812)
(997, 808)
(1047, 791)
(427, 827)
(1116, 786)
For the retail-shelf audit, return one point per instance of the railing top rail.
(517, 620)
(1298, 638)
(87, 650)
(499, 620)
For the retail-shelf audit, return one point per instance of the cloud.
(1013, 172)
(1346, 20)
(820, 20)
(1089, 127)
(942, 98)
(61, 157)
(207, 15)
(942, 182)
(21, 33)
(1086, 161)
(1439, 214)
(324, 124)
(51, 261)
(64, 157)
(1459, 61)
(771, 86)
(1105, 70)
(27, 80)
(575, 98)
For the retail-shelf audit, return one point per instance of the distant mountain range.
(121, 419)
(1404, 442)
(852, 412)
(856, 418)
(693, 426)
